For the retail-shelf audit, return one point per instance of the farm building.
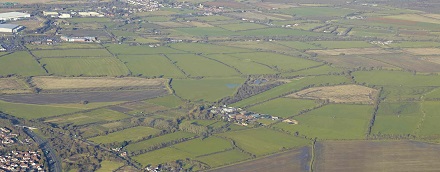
(79, 39)
(10, 28)
(2, 48)
(13, 16)
(50, 13)
(90, 14)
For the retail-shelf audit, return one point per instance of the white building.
(50, 13)
(10, 28)
(2, 49)
(64, 16)
(90, 14)
(13, 16)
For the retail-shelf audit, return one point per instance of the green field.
(158, 140)
(159, 156)
(321, 70)
(399, 118)
(334, 121)
(414, 44)
(283, 107)
(209, 89)
(399, 93)
(169, 101)
(131, 134)
(342, 44)
(396, 78)
(434, 94)
(207, 48)
(294, 85)
(109, 166)
(429, 126)
(138, 50)
(85, 66)
(99, 115)
(298, 45)
(31, 111)
(242, 26)
(194, 65)
(317, 11)
(276, 61)
(244, 66)
(223, 158)
(72, 53)
(199, 147)
(65, 46)
(262, 141)
(150, 65)
(92, 130)
(20, 63)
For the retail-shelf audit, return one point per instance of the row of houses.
(7, 137)
(21, 161)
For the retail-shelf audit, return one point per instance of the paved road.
(53, 161)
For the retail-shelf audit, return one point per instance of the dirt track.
(78, 97)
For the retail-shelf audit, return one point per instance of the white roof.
(13, 15)
(8, 26)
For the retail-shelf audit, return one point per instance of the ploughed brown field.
(295, 160)
(390, 156)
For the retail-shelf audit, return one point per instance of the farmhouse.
(10, 28)
(13, 16)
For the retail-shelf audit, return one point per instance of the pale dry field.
(13, 85)
(339, 94)
(92, 82)
(366, 156)
(171, 24)
(435, 16)
(433, 59)
(350, 51)
(423, 51)
(415, 18)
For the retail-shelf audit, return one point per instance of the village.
(21, 161)
(242, 117)
(13, 160)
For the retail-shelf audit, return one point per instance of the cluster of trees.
(249, 89)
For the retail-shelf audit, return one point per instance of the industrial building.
(10, 28)
(13, 16)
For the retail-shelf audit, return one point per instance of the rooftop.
(9, 26)
(13, 15)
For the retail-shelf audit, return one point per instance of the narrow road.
(53, 161)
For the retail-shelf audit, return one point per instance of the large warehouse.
(13, 16)
(10, 28)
